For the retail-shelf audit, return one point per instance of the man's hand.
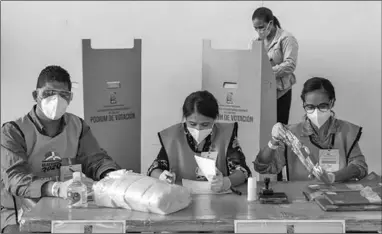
(63, 186)
(88, 182)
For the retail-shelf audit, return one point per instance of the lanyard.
(330, 145)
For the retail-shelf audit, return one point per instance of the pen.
(237, 192)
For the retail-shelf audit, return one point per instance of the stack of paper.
(208, 168)
(351, 196)
(200, 187)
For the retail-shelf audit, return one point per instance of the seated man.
(333, 143)
(33, 148)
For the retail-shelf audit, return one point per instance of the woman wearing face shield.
(282, 50)
(333, 143)
(200, 135)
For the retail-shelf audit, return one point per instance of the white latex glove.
(167, 176)
(322, 175)
(278, 132)
(219, 183)
(332, 177)
(63, 188)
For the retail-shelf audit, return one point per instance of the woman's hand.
(219, 183)
(167, 176)
(322, 175)
(278, 133)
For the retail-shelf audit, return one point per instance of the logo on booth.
(113, 98)
(51, 162)
(229, 98)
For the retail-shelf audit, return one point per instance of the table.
(206, 213)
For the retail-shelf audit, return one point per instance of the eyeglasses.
(323, 107)
(44, 93)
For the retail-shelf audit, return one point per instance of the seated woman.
(332, 143)
(198, 135)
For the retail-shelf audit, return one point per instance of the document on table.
(88, 226)
(200, 187)
(207, 166)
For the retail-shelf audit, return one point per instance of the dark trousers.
(283, 108)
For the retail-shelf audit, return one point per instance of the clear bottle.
(77, 192)
(252, 188)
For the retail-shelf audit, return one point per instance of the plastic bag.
(129, 190)
(303, 153)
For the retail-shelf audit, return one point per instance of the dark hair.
(265, 14)
(202, 102)
(318, 83)
(53, 73)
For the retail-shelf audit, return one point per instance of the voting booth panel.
(112, 100)
(245, 87)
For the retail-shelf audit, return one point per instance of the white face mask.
(318, 118)
(54, 107)
(199, 135)
(264, 34)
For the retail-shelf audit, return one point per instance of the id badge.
(210, 155)
(66, 172)
(330, 160)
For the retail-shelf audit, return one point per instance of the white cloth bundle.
(129, 190)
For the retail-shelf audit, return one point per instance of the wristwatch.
(56, 189)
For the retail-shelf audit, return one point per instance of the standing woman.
(282, 50)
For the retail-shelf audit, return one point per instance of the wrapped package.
(129, 190)
(303, 154)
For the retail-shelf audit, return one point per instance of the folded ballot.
(129, 190)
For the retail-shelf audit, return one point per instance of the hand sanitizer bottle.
(77, 192)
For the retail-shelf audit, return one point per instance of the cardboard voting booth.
(245, 87)
(112, 100)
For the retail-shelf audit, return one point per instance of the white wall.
(338, 40)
